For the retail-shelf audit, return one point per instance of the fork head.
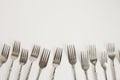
(57, 57)
(103, 60)
(71, 54)
(93, 55)
(85, 60)
(24, 56)
(5, 53)
(16, 50)
(110, 47)
(44, 58)
(35, 53)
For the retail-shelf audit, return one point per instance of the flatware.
(85, 62)
(72, 58)
(103, 61)
(4, 55)
(93, 58)
(23, 60)
(33, 57)
(43, 61)
(56, 60)
(14, 55)
(111, 54)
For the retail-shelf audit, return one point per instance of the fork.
(33, 57)
(111, 54)
(56, 60)
(23, 60)
(103, 61)
(93, 58)
(72, 58)
(43, 61)
(85, 62)
(4, 55)
(14, 55)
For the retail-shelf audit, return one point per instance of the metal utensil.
(72, 58)
(33, 57)
(43, 61)
(14, 55)
(103, 61)
(23, 60)
(111, 54)
(85, 62)
(56, 60)
(93, 58)
(4, 55)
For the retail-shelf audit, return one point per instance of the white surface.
(55, 23)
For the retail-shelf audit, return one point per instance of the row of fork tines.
(24, 57)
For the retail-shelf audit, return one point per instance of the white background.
(56, 23)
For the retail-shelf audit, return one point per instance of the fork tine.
(44, 58)
(16, 48)
(5, 51)
(24, 56)
(110, 47)
(35, 51)
(58, 56)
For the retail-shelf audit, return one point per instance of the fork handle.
(10, 71)
(74, 72)
(95, 73)
(105, 74)
(19, 73)
(113, 70)
(53, 74)
(86, 75)
(39, 74)
(29, 71)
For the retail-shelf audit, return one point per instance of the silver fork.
(14, 55)
(111, 54)
(56, 60)
(72, 58)
(43, 61)
(33, 57)
(103, 61)
(85, 62)
(4, 55)
(23, 60)
(93, 58)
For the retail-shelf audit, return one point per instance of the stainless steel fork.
(85, 62)
(93, 58)
(14, 55)
(23, 60)
(33, 57)
(72, 58)
(103, 61)
(4, 55)
(56, 60)
(43, 61)
(111, 54)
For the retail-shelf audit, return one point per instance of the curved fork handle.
(29, 72)
(53, 74)
(113, 70)
(10, 71)
(74, 72)
(105, 74)
(86, 75)
(95, 73)
(19, 72)
(38, 74)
